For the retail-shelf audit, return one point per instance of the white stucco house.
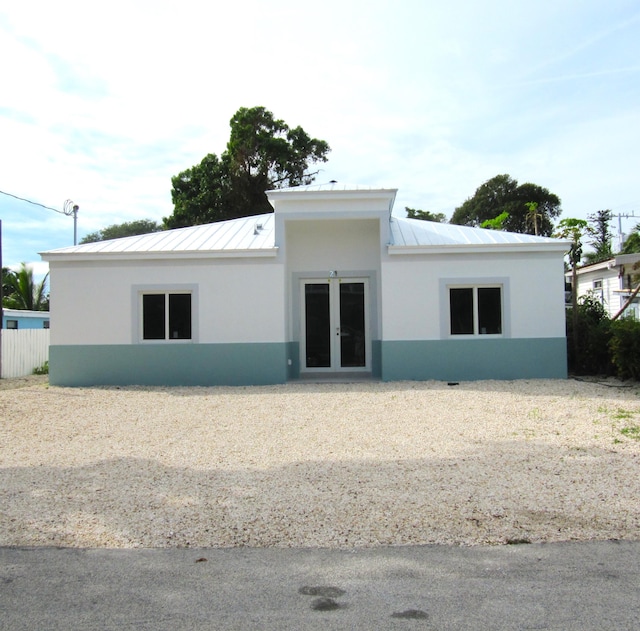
(610, 282)
(329, 283)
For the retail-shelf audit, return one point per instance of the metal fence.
(23, 350)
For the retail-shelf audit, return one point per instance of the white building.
(611, 282)
(329, 283)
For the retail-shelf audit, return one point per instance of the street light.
(72, 209)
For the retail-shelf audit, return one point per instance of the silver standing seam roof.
(255, 236)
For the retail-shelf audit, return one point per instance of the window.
(12, 324)
(475, 310)
(45, 324)
(166, 316)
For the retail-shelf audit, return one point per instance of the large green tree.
(23, 291)
(119, 230)
(263, 153)
(530, 208)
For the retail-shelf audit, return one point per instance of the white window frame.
(139, 291)
(446, 284)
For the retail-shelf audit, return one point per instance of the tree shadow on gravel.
(507, 492)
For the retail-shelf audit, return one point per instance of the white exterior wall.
(333, 245)
(237, 300)
(411, 292)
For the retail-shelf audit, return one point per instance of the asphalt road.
(563, 586)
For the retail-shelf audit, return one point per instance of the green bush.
(625, 348)
(588, 346)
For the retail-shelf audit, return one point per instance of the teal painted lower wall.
(168, 364)
(264, 364)
(471, 360)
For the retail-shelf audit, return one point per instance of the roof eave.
(477, 248)
(158, 255)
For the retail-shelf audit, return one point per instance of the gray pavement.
(562, 586)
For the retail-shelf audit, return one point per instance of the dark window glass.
(180, 316)
(317, 331)
(12, 324)
(352, 325)
(461, 302)
(489, 311)
(153, 322)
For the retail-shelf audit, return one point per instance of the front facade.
(611, 282)
(330, 283)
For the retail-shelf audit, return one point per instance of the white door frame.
(334, 327)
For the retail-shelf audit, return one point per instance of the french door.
(335, 334)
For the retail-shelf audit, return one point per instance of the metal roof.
(248, 235)
(419, 233)
(255, 236)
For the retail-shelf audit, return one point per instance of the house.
(611, 282)
(22, 319)
(330, 283)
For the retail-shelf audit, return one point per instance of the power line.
(69, 209)
(22, 199)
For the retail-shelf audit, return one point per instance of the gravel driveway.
(331, 465)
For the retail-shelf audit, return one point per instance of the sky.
(102, 103)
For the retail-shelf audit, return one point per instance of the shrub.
(588, 347)
(42, 370)
(625, 348)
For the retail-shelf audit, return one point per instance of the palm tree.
(25, 293)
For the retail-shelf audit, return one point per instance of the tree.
(632, 242)
(263, 153)
(24, 292)
(425, 215)
(600, 232)
(126, 229)
(533, 216)
(573, 230)
(503, 194)
(497, 223)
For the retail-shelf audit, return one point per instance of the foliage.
(598, 229)
(625, 348)
(126, 229)
(42, 370)
(24, 292)
(425, 215)
(632, 243)
(497, 223)
(263, 153)
(573, 230)
(533, 215)
(503, 194)
(588, 338)
(7, 289)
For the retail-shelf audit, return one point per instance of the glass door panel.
(317, 325)
(352, 325)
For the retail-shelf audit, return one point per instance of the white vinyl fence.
(23, 350)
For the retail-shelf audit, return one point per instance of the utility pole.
(620, 217)
(69, 209)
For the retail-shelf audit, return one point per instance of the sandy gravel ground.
(335, 465)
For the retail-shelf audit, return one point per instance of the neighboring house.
(611, 282)
(330, 283)
(22, 319)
